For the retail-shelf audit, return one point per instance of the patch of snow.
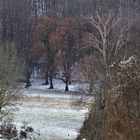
(50, 114)
(60, 86)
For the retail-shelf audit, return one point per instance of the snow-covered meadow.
(51, 112)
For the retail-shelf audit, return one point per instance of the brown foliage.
(91, 69)
(37, 50)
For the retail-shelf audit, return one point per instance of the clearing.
(51, 113)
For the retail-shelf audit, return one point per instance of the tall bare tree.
(9, 72)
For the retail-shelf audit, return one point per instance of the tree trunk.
(28, 76)
(90, 89)
(67, 82)
(67, 87)
(46, 78)
(28, 82)
(51, 81)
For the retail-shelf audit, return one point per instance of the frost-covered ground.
(59, 85)
(50, 113)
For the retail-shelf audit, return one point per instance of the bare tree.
(108, 37)
(8, 78)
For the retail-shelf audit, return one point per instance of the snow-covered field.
(50, 113)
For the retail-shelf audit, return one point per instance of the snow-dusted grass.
(50, 113)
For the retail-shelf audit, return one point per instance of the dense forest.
(94, 41)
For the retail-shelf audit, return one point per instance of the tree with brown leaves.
(46, 31)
